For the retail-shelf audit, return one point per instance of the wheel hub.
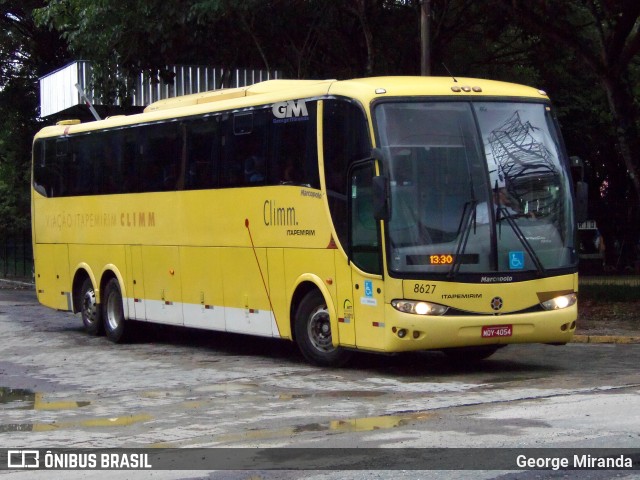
(89, 306)
(320, 330)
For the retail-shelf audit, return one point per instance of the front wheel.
(313, 332)
(116, 328)
(90, 310)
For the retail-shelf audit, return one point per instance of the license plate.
(497, 331)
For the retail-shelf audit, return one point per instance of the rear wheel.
(313, 332)
(90, 310)
(471, 354)
(115, 326)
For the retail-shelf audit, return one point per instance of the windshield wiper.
(503, 214)
(468, 219)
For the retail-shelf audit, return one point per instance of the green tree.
(26, 52)
(604, 37)
(597, 44)
(305, 38)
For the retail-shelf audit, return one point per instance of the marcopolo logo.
(290, 110)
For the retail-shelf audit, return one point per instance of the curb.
(618, 339)
(16, 283)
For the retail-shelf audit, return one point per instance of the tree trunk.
(360, 11)
(621, 105)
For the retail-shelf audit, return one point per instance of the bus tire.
(115, 326)
(90, 310)
(471, 354)
(313, 332)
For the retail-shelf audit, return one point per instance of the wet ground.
(186, 388)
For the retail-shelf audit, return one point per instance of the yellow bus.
(382, 214)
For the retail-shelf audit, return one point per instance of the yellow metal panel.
(202, 279)
(286, 216)
(459, 331)
(95, 258)
(163, 292)
(368, 302)
(52, 276)
(152, 218)
(344, 300)
(367, 89)
(277, 289)
(245, 274)
(316, 266)
(202, 285)
(135, 284)
(243, 270)
(477, 297)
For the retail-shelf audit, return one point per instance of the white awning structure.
(58, 91)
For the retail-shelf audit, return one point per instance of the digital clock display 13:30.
(441, 259)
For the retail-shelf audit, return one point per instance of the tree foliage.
(599, 45)
(26, 52)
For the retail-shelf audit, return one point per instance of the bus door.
(366, 259)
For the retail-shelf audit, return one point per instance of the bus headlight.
(557, 303)
(418, 307)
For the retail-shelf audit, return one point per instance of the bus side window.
(345, 140)
(294, 151)
(62, 166)
(110, 161)
(203, 152)
(131, 170)
(245, 150)
(81, 169)
(160, 162)
(365, 249)
(41, 178)
(50, 174)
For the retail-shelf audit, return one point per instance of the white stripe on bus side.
(208, 317)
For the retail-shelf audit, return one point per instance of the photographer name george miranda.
(575, 462)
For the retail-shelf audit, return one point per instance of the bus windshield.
(477, 187)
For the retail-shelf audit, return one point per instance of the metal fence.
(58, 91)
(16, 256)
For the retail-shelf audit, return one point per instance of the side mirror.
(377, 154)
(381, 204)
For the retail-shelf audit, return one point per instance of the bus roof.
(363, 89)
(261, 88)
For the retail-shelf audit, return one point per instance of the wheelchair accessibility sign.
(516, 260)
(368, 294)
